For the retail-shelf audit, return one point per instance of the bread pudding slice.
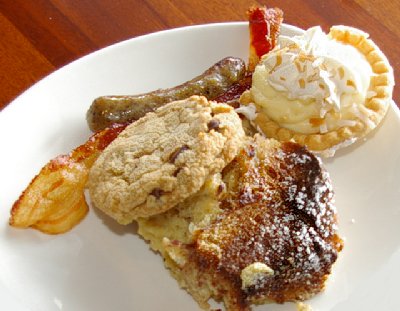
(264, 230)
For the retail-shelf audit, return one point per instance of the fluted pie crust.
(375, 106)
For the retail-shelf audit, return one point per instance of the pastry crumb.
(254, 272)
(301, 306)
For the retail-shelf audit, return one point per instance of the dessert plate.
(100, 265)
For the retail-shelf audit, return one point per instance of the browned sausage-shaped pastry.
(106, 110)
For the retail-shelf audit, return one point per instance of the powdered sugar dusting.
(281, 213)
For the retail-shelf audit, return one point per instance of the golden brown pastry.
(323, 91)
(262, 231)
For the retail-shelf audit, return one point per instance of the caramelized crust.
(278, 211)
(271, 234)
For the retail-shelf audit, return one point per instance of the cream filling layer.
(312, 83)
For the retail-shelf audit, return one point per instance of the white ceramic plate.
(103, 266)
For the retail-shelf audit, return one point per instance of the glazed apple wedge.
(54, 200)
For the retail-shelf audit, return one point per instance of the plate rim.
(147, 36)
(127, 41)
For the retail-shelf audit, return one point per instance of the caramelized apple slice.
(65, 218)
(54, 200)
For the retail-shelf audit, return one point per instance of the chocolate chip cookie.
(163, 158)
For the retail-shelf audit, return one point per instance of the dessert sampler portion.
(221, 172)
(322, 90)
(54, 200)
(164, 157)
(262, 230)
(238, 219)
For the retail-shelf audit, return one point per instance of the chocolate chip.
(157, 192)
(221, 187)
(177, 172)
(175, 154)
(213, 125)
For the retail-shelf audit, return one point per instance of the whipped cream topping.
(249, 111)
(312, 83)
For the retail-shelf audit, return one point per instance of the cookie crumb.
(301, 306)
(253, 273)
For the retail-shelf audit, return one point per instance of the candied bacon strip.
(232, 95)
(264, 27)
(54, 200)
(89, 151)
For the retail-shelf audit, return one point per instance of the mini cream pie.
(323, 91)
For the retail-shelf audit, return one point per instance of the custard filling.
(312, 83)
